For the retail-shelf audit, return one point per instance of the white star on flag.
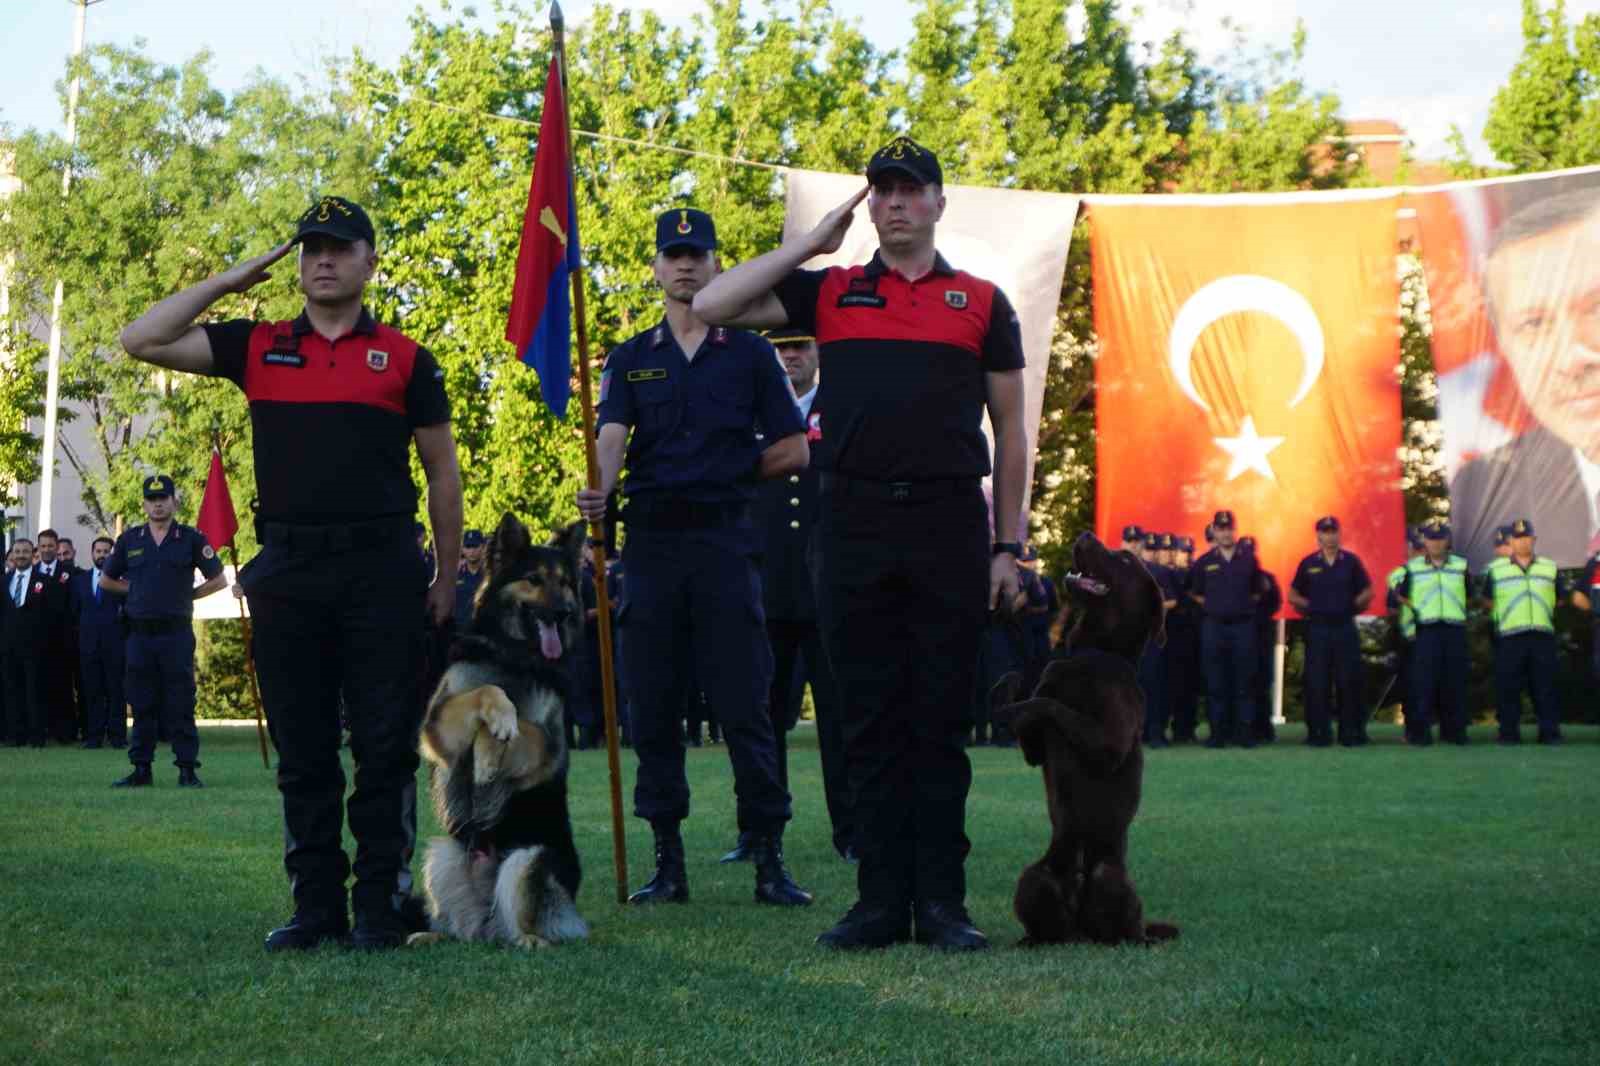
(1249, 450)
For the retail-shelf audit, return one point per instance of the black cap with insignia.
(472, 538)
(908, 157)
(1436, 529)
(1328, 524)
(1522, 528)
(157, 486)
(684, 227)
(338, 218)
(1222, 520)
(789, 335)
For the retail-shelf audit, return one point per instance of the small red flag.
(217, 519)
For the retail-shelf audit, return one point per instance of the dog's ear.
(570, 542)
(510, 539)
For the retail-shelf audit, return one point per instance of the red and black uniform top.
(332, 420)
(902, 367)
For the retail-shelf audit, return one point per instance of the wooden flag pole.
(250, 663)
(619, 848)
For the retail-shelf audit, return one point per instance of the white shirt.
(805, 403)
(1590, 472)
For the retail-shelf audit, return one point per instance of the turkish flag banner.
(1249, 348)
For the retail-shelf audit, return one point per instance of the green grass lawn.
(1386, 905)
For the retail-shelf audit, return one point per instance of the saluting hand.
(252, 272)
(829, 233)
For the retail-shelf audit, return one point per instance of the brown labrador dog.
(1082, 728)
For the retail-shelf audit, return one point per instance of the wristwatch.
(1007, 547)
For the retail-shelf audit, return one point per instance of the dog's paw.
(422, 940)
(500, 717)
(532, 942)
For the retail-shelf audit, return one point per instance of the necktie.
(19, 582)
(96, 580)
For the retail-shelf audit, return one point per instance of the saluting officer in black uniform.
(337, 592)
(1330, 588)
(913, 350)
(692, 396)
(786, 513)
(153, 565)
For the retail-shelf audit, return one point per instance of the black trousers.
(1333, 661)
(350, 624)
(161, 691)
(797, 657)
(902, 589)
(27, 712)
(105, 706)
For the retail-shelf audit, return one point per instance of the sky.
(1423, 63)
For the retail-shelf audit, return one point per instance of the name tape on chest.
(652, 374)
(294, 359)
(862, 299)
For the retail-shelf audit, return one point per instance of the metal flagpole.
(619, 849)
(250, 665)
(1279, 652)
(52, 389)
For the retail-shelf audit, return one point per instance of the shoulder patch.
(208, 552)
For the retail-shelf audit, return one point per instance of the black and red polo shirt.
(902, 367)
(332, 420)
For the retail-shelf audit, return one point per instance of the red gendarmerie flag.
(217, 519)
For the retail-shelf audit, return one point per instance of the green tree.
(1547, 115)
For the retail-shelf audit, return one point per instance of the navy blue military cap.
(1152, 541)
(1328, 524)
(157, 486)
(1222, 520)
(1502, 534)
(341, 219)
(790, 335)
(1132, 533)
(1521, 528)
(684, 227)
(1414, 538)
(908, 157)
(1247, 543)
(472, 538)
(1169, 542)
(1186, 544)
(1436, 529)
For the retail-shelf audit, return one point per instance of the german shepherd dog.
(495, 733)
(1083, 726)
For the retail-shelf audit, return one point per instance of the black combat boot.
(947, 926)
(187, 778)
(139, 778)
(868, 926)
(309, 928)
(773, 883)
(743, 850)
(670, 883)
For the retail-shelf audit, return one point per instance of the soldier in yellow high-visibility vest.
(1405, 629)
(1521, 590)
(1435, 588)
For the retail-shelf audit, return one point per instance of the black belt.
(334, 537)
(895, 491)
(677, 515)
(155, 627)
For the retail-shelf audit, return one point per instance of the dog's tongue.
(549, 641)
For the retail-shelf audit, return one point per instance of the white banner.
(1018, 240)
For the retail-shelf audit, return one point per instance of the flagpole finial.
(557, 21)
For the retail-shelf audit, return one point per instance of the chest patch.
(955, 298)
(377, 361)
(653, 374)
(294, 359)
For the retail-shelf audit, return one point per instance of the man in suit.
(60, 665)
(100, 651)
(24, 633)
(1538, 284)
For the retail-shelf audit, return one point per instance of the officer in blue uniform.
(1153, 664)
(153, 565)
(692, 397)
(1331, 586)
(469, 577)
(1184, 679)
(1225, 583)
(97, 613)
